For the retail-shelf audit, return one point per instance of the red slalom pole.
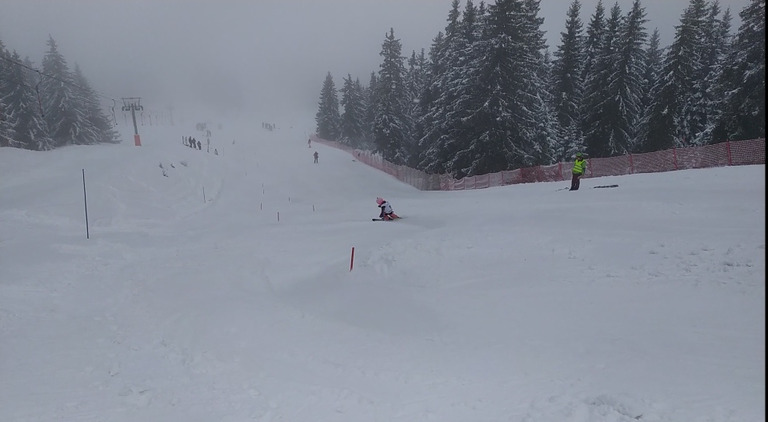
(352, 259)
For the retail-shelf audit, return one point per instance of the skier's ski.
(606, 186)
(381, 219)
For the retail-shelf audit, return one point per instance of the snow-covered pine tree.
(426, 121)
(627, 82)
(703, 107)
(695, 107)
(22, 109)
(328, 118)
(654, 57)
(96, 127)
(719, 49)
(352, 123)
(548, 124)
(461, 94)
(415, 83)
(593, 43)
(743, 79)
(7, 134)
(567, 86)
(434, 144)
(65, 120)
(508, 108)
(614, 89)
(669, 118)
(370, 100)
(392, 127)
(601, 114)
(542, 133)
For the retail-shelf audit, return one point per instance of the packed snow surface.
(215, 285)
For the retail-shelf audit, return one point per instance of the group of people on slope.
(191, 142)
(579, 168)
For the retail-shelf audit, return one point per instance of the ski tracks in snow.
(601, 408)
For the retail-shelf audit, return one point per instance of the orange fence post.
(674, 157)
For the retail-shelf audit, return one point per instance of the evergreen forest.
(489, 96)
(46, 107)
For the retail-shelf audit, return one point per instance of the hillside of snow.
(218, 288)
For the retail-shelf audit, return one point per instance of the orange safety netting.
(729, 153)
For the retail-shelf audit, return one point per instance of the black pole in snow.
(85, 200)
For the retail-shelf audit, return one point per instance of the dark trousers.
(575, 181)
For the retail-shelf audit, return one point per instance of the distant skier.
(579, 167)
(315, 155)
(386, 213)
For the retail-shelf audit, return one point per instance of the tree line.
(489, 96)
(50, 107)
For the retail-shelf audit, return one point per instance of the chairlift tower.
(132, 104)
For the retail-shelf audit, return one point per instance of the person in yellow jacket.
(579, 167)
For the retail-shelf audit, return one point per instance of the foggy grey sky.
(267, 57)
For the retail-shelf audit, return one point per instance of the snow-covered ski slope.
(223, 292)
